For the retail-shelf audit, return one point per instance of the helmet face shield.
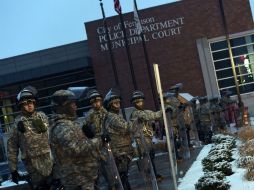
(112, 95)
(27, 101)
(137, 95)
(27, 95)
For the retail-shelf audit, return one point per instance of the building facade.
(186, 39)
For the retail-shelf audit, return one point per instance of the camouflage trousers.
(36, 179)
(83, 187)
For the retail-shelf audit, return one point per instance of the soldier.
(93, 126)
(216, 110)
(181, 121)
(195, 110)
(225, 104)
(30, 135)
(174, 103)
(95, 117)
(76, 156)
(205, 120)
(119, 132)
(146, 116)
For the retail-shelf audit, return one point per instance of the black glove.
(105, 137)
(182, 107)
(21, 127)
(168, 109)
(39, 125)
(89, 130)
(15, 176)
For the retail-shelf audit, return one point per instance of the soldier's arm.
(149, 115)
(13, 150)
(120, 124)
(44, 118)
(88, 118)
(73, 141)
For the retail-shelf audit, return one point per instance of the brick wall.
(176, 54)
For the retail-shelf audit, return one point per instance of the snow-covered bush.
(212, 181)
(218, 156)
(216, 150)
(224, 167)
(220, 138)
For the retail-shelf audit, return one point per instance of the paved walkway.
(163, 168)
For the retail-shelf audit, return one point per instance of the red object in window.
(242, 58)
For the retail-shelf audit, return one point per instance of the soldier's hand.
(15, 176)
(105, 137)
(168, 109)
(182, 107)
(21, 127)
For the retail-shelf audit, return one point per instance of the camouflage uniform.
(30, 136)
(34, 146)
(92, 125)
(205, 120)
(95, 117)
(120, 133)
(181, 122)
(146, 116)
(76, 157)
(172, 101)
(216, 110)
(225, 104)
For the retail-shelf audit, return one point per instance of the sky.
(31, 25)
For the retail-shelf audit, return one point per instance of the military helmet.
(94, 95)
(79, 92)
(62, 97)
(226, 93)
(203, 99)
(137, 95)
(110, 97)
(214, 99)
(167, 97)
(29, 92)
(176, 87)
(194, 99)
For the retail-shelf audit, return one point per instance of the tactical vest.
(34, 145)
(119, 132)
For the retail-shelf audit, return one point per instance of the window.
(243, 55)
(46, 87)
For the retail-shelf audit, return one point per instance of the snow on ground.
(195, 171)
(236, 180)
(9, 183)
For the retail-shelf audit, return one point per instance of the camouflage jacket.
(76, 157)
(33, 144)
(96, 117)
(146, 116)
(174, 103)
(120, 134)
(215, 108)
(204, 113)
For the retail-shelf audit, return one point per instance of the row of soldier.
(214, 115)
(73, 151)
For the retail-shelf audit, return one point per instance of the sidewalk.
(136, 181)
